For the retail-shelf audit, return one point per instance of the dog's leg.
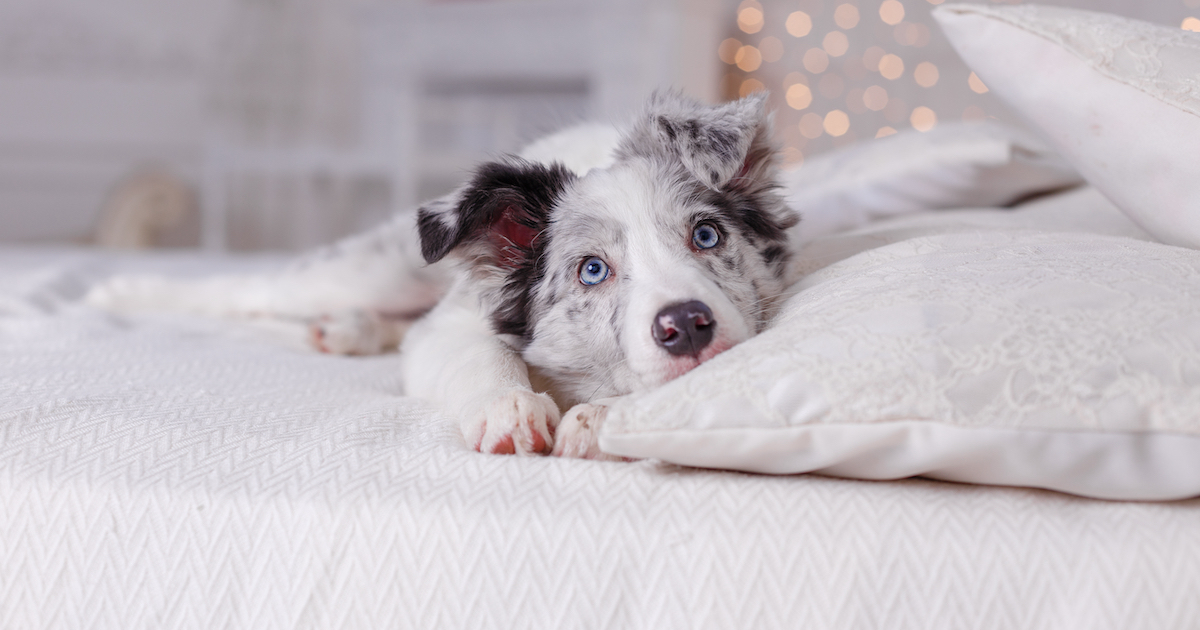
(454, 359)
(353, 297)
(357, 332)
(577, 432)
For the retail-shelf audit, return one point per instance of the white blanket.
(159, 473)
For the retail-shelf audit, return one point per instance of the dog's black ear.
(498, 217)
(721, 146)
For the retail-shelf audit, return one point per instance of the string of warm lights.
(842, 70)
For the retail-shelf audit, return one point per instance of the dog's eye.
(705, 236)
(593, 271)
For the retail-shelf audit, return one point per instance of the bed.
(161, 471)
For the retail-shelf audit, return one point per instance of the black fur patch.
(776, 257)
(525, 194)
(515, 190)
(724, 143)
(511, 316)
(504, 210)
(743, 210)
(772, 255)
(437, 239)
(667, 128)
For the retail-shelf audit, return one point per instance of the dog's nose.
(684, 329)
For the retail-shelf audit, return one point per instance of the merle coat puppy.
(578, 287)
(597, 264)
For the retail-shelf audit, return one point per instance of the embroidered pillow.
(1067, 361)
(1119, 98)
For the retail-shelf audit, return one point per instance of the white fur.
(360, 295)
(453, 358)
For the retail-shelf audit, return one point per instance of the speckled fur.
(513, 337)
(681, 163)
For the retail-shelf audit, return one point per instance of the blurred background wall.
(282, 124)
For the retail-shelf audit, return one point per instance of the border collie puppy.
(597, 264)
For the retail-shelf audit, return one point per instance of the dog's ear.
(721, 146)
(497, 218)
(726, 148)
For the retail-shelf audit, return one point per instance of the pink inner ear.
(740, 178)
(511, 239)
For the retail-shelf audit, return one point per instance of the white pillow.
(1117, 97)
(956, 165)
(1066, 361)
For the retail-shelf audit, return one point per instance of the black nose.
(684, 329)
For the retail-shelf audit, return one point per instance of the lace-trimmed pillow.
(1061, 361)
(1119, 98)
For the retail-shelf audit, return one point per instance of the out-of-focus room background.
(282, 124)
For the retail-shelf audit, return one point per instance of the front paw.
(577, 433)
(518, 421)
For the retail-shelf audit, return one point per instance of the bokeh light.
(911, 34)
(841, 74)
(846, 16)
(750, 19)
(976, 84)
(835, 43)
(799, 96)
(836, 123)
(771, 49)
(875, 98)
(798, 24)
(728, 49)
(891, 12)
(891, 67)
(816, 60)
(750, 86)
(1191, 24)
(923, 119)
(926, 74)
(748, 58)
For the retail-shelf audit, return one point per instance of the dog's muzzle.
(684, 329)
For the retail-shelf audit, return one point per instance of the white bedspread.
(159, 473)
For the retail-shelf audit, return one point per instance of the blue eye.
(705, 236)
(593, 271)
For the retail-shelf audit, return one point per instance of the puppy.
(595, 265)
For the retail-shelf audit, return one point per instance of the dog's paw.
(577, 432)
(354, 332)
(518, 421)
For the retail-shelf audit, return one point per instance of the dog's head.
(631, 275)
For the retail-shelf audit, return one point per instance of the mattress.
(164, 472)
